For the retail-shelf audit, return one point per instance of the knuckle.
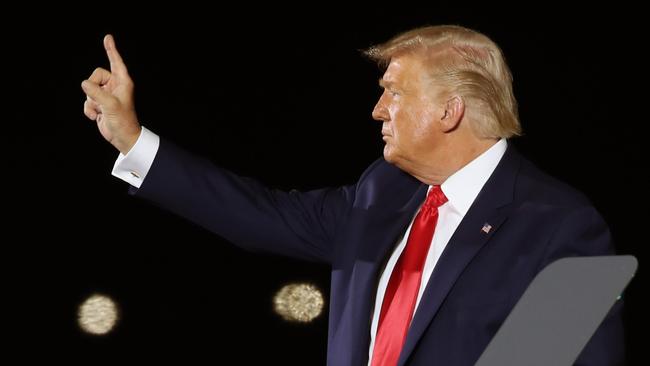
(98, 73)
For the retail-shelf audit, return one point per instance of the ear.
(453, 114)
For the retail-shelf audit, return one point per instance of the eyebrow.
(391, 85)
(385, 84)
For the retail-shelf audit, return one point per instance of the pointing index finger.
(117, 65)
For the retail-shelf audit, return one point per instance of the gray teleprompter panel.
(559, 312)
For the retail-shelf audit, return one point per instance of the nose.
(380, 112)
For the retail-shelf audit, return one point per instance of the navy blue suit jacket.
(478, 279)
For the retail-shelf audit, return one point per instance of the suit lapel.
(382, 227)
(377, 229)
(468, 239)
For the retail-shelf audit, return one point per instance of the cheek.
(393, 111)
(424, 117)
(401, 120)
(415, 125)
(421, 127)
(411, 123)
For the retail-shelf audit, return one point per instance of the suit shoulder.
(384, 183)
(538, 186)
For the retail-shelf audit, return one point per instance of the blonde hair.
(466, 63)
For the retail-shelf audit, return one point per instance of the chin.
(394, 158)
(389, 154)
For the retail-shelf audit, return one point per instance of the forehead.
(404, 70)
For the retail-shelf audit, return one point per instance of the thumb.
(98, 94)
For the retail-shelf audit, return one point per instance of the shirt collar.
(462, 187)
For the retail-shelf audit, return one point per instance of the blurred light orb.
(298, 302)
(97, 315)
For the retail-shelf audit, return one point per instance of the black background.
(281, 94)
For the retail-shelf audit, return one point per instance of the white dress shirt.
(461, 190)
(134, 166)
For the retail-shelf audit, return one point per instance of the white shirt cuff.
(134, 166)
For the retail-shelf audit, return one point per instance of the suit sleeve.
(296, 224)
(585, 233)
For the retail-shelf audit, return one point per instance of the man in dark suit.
(434, 244)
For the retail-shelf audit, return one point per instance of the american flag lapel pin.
(486, 228)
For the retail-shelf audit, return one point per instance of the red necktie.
(402, 291)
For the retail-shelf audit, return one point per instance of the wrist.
(126, 144)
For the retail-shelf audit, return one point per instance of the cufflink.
(136, 175)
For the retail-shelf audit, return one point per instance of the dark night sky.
(284, 96)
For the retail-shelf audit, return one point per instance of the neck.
(451, 158)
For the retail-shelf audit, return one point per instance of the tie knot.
(435, 198)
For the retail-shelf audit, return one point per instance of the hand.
(109, 101)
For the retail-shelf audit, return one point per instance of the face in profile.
(408, 110)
